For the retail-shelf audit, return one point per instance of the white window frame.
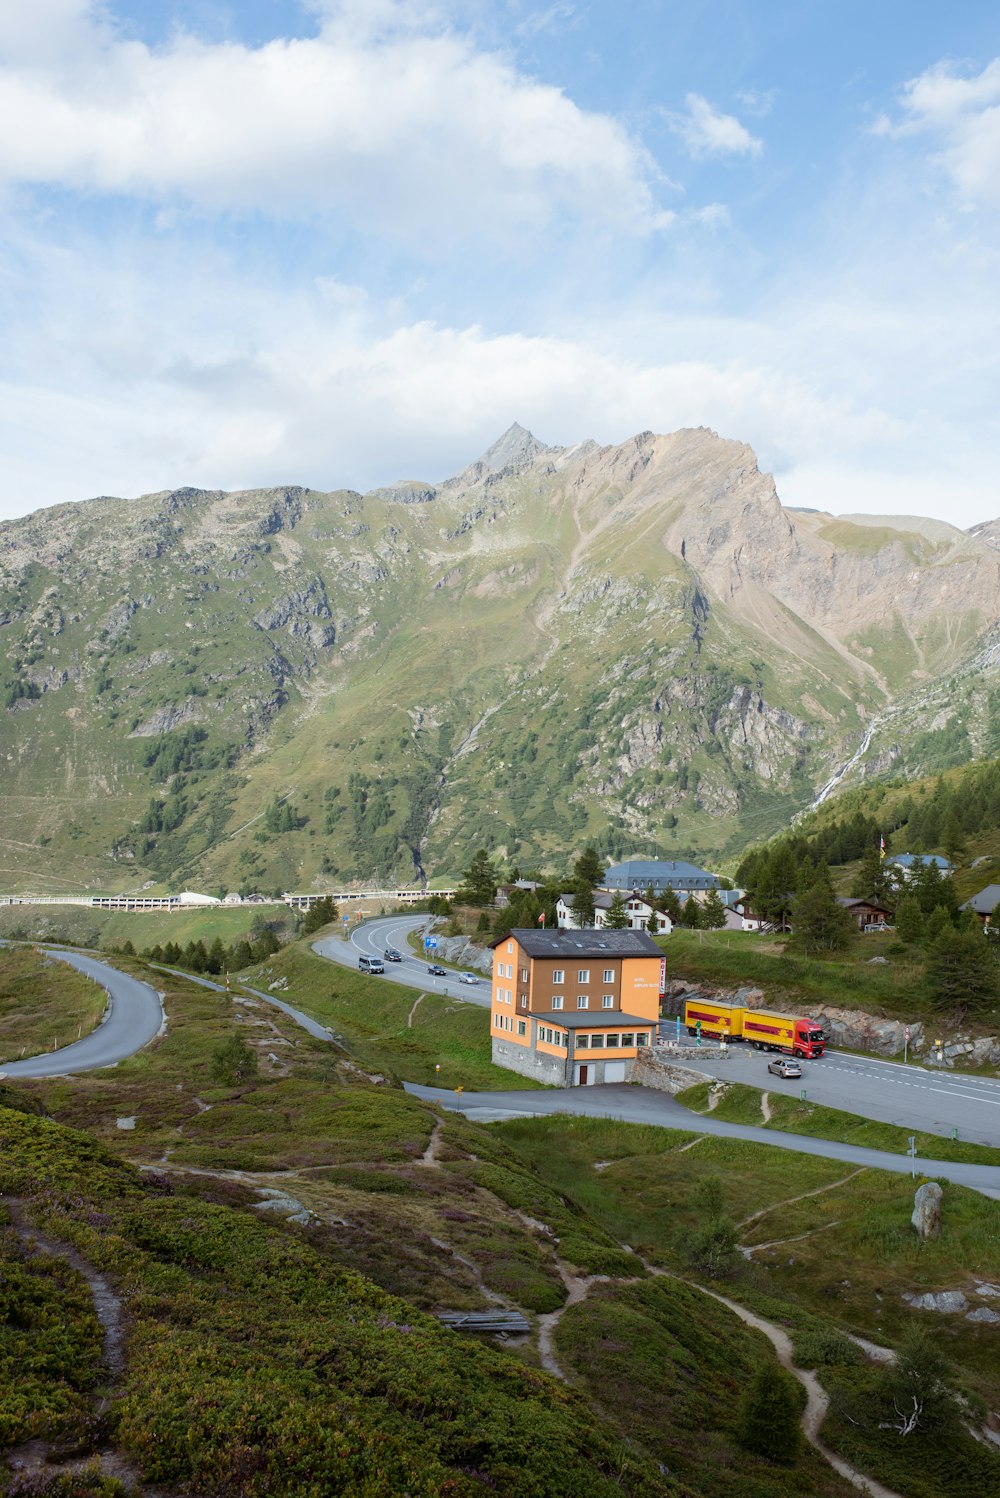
(558, 976)
(607, 1001)
(609, 975)
(557, 1001)
(583, 975)
(583, 1001)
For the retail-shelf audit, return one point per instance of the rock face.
(554, 643)
(926, 1217)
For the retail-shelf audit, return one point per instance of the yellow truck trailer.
(765, 1029)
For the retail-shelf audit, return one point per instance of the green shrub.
(770, 1412)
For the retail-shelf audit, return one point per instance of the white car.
(467, 978)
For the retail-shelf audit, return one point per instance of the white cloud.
(707, 132)
(160, 374)
(407, 131)
(963, 112)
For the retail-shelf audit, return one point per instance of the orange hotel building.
(572, 1008)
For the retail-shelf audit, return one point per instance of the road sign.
(430, 943)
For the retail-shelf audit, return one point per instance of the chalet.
(985, 903)
(637, 909)
(572, 1008)
(905, 865)
(660, 875)
(868, 914)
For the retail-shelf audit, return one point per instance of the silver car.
(782, 1067)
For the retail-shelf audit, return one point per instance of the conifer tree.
(617, 915)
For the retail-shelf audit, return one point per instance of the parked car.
(437, 971)
(467, 978)
(391, 955)
(782, 1067)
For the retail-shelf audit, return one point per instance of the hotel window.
(611, 1040)
(524, 1001)
(642, 1038)
(558, 975)
(510, 946)
(582, 1042)
(582, 1002)
(583, 976)
(607, 1001)
(557, 1001)
(524, 975)
(609, 975)
(522, 1027)
(628, 1039)
(596, 1042)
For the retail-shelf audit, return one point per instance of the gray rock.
(926, 1217)
(984, 1315)
(987, 1289)
(947, 1301)
(125, 1123)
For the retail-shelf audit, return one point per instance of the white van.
(371, 965)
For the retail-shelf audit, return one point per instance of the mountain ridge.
(638, 641)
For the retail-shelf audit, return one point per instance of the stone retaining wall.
(650, 1071)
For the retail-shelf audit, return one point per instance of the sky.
(344, 242)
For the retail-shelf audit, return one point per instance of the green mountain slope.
(633, 645)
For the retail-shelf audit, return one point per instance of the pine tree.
(589, 866)
(480, 881)
(909, 919)
(713, 911)
(770, 1412)
(819, 922)
(583, 903)
(668, 903)
(617, 915)
(962, 971)
(872, 882)
(691, 915)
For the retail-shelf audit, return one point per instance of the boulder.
(926, 1217)
(985, 1315)
(947, 1301)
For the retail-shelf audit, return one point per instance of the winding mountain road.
(133, 1017)
(371, 940)
(642, 1105)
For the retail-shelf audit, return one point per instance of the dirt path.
(780, 1242)
(791, 1200)
(817, 1399)
(107, 1305)
(430, 1154)
(416, 1004)
(33, 1459)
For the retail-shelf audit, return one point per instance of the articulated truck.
(765, 1029)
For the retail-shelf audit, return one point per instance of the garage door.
(614, 1071)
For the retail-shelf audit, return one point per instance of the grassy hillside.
(635, 646)
(269, 1355)
(44, 1004)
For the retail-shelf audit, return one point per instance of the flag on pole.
(881, 846)
(541, 919)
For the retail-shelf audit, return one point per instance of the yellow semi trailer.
(765, 1029)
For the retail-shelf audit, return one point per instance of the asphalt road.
(642, 1105)
(911, 1096)
(371, 940)
(133, 1017)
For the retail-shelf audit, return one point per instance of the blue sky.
(349, 241)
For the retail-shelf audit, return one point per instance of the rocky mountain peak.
(515, 448)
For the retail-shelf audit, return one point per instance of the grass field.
(741, 1104)
(110, 929)
(388, 1027)
(44, 1003)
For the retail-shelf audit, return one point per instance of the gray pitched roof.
(593, 1019)
(586, 943)
(907, 860)
(986, 901)
(661, 873)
